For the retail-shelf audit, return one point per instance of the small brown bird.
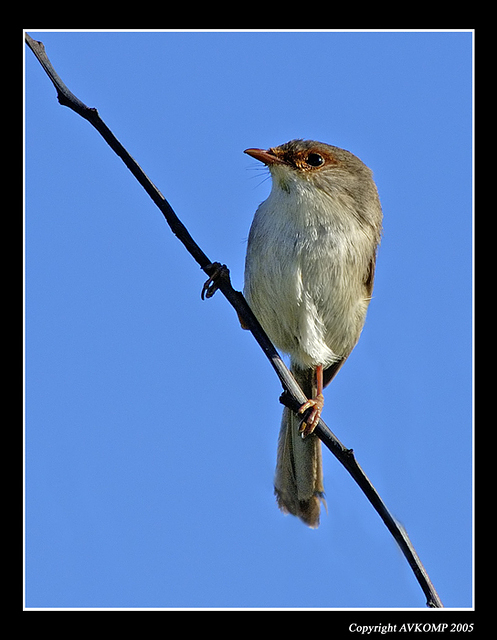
(309, 275)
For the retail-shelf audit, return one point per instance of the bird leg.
(310, 423)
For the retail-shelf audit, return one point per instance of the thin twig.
(293, 395)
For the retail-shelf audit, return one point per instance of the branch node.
(219, 273)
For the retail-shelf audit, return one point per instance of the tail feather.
(298, 480)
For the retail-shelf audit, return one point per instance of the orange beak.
(267, 157)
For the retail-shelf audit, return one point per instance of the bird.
(309, 273)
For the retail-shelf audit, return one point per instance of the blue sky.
(151, 417)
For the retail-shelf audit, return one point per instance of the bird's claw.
(311, 422)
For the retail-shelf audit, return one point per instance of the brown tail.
(298, 482)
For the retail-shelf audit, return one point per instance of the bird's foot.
(311, 422)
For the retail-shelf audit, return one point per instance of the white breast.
(304, 273)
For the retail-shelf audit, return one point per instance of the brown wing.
(330, 372)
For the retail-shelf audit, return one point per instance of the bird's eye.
(315, 160)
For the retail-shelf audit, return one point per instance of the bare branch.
(293, 395)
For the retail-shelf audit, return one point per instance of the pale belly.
(307, 296)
